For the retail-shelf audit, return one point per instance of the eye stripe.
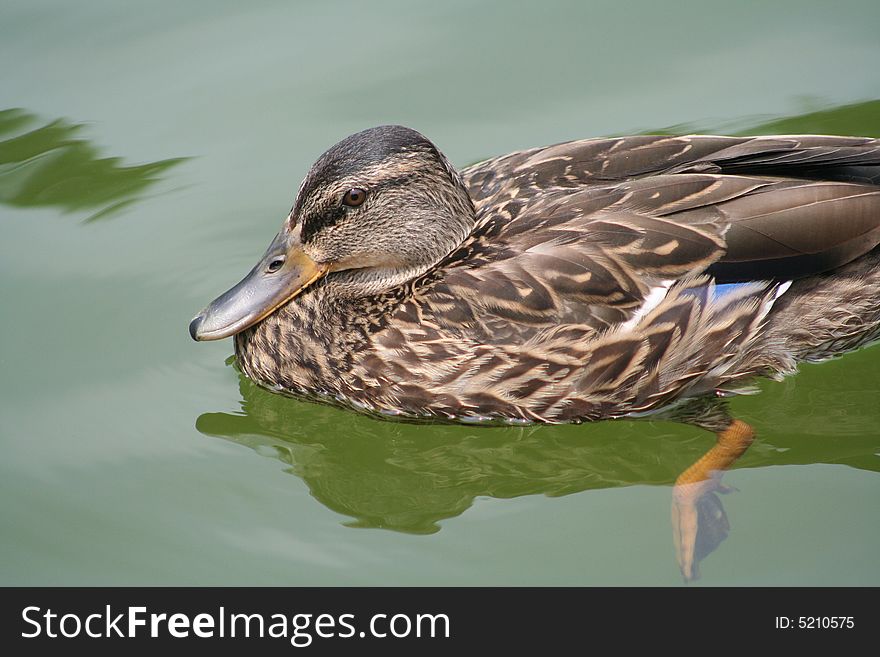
(316, 223)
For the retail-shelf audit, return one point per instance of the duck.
(637, 276)
(586, 280)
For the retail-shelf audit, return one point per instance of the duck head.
(379, 208)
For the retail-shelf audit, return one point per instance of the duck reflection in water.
(407, 477)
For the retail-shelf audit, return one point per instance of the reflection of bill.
(52, 165)
(408, 477)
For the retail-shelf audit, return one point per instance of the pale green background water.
(131, 455)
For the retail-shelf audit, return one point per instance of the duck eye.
(275, 265)
(354, 197)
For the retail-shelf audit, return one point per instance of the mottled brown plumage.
(573, 282)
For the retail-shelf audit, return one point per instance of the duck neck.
(309, 344)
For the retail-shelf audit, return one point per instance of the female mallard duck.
(587, 280)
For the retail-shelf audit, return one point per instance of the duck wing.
(586, 232)
(586, 289)
(577, 163)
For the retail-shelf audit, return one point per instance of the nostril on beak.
(194, 326)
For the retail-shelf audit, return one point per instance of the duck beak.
(283, 272)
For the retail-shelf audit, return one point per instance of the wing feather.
(581, 231)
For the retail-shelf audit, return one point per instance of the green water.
(154, 149)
